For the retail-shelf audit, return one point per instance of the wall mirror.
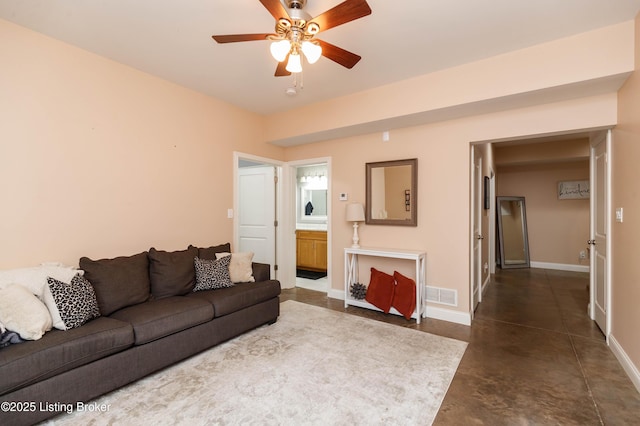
(313, 205)
(512, 232)
(311, 199)
(392, 193)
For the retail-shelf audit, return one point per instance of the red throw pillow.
(404, 298)
(380, 290)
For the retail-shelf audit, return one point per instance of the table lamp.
(355, 214)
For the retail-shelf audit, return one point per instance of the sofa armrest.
(261, 271)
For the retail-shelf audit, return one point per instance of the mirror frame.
(526, 262)
(413, 221)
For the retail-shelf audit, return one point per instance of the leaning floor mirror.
(512, 232)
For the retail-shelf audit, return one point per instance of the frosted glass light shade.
(280, 49)
(355, 212)
(311, 51)
(294, 64)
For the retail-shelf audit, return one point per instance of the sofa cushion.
(209, 253)
(158, 318)
(119, 282)
(59, 351)
(171, 273)
(212, 274)
(76, 302)
(261, 271)
(240, 296)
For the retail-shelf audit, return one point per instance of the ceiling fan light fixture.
(312, 51)
(294, 64)
(280, 49)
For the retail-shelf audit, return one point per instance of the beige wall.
(625, 284)
(99, 159)
(443, 156)
(558, 229)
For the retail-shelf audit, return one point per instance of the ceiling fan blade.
(233, 38)
(347, 11)
(275, 8)
(339, 55)
(281, 69)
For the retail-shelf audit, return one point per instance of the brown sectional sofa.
(137, 333)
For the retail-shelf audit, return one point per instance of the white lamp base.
(356, 240)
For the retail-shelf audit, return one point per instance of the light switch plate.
(343, 196)
(619, 214)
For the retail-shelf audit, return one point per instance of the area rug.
(310, 275)
(314, 366)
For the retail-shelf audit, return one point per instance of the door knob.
(479, 237)
(591, 242)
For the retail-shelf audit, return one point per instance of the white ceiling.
(400, 39)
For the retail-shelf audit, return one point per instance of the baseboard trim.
(560, 266)
(625, 361)
(444, 314)
(433, 312)
(336, 294)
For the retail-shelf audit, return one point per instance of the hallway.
(534, 356)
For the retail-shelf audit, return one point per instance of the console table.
(351, 276)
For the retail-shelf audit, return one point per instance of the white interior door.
(600, 226)
(476, 266)
(257, 213)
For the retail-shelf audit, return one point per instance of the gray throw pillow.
(212, 274)
(171, 273)
(209, 253)
(118, 282)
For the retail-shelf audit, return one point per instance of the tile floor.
(534, 357)
(321, 284)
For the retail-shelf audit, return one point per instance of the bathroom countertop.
(311, 226)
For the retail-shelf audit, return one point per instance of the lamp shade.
(355, 212)
(294, 64)
(280, 49)
(312, 51)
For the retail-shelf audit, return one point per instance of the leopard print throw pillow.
(76, 301)
(212, 274)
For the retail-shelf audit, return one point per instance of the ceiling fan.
(295, 33)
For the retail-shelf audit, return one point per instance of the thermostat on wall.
(343, 196)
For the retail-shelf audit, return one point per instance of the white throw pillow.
(35, 280)
(240, 268)
(24, 313)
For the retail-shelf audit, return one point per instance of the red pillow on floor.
(404, 297)
(380, 290)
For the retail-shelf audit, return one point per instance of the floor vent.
(445, 296)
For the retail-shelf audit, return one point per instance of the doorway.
(311, 207)
(580, 253)
(256, 193)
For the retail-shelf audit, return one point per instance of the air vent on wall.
(442, 295)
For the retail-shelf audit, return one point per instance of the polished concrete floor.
(534, 357)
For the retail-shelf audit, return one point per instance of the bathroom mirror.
(313, 205)
(311, 198)
(512, 232)
(392, 193)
